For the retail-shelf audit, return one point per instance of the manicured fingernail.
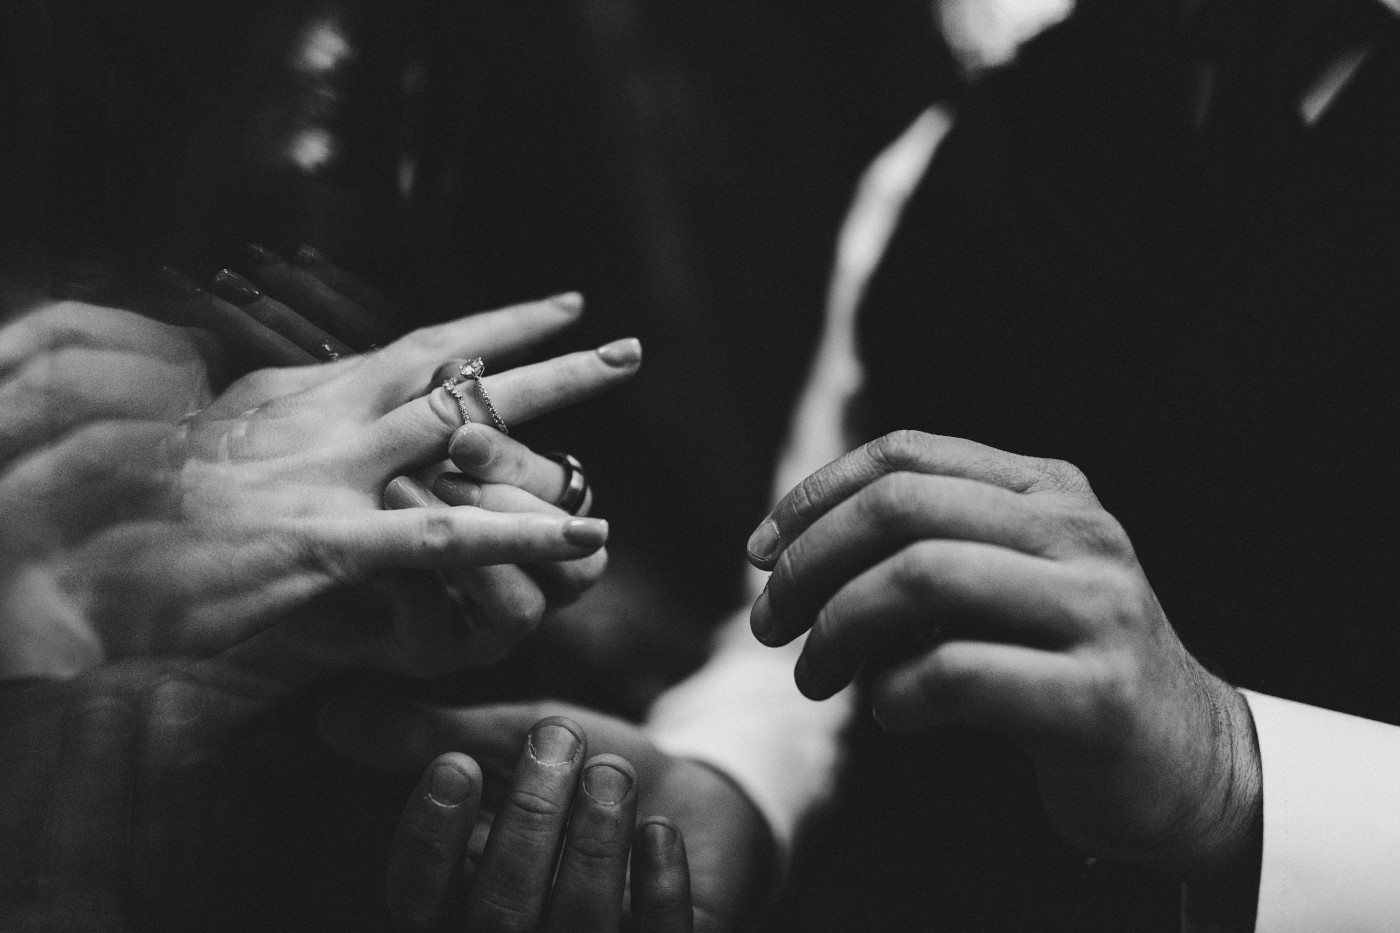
(178, 701)
(606, 784)
(571, 302)
(587, 532)
(173, 280)
(102, 729)
(234, 288)
(261, 255)
(763, 543)
(553, 745)
(761, 617)
(469, 448)
(624, 352)
(406, 493)
(456, 489)
(449, 786)
(309, 256)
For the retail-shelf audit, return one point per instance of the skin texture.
(169, 520)
(731, 851)
(992, 589)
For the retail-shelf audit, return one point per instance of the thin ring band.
(474, 369)
(451, 389)
(575, 491)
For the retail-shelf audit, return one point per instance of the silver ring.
(451, 389)
(473, 369)
(575, 491)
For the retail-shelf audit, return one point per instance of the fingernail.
(659, 837)
(449, 786)
(761, 617)
(624, 352)
(553, 745)
(763, 543)
(178, 701)
(469, 448)
(456, 489)
(261, 255)
(606, 784)
(174, 280)
(875, 715)
(586, 532)
(406, 493)
(571, 302)
(233, 287)
(308, 255)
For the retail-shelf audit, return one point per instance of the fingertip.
(764, 545)
(456, 489)
(405, 492)
(570, 303)
(470, 447)
(608, 779)
(589, 533)
(453, 779)
(555, 740)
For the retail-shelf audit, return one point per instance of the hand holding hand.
(994, 590)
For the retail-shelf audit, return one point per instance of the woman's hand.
(992, 589)
(731, 850)
(550, 852)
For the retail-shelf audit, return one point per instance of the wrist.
(1221, 868)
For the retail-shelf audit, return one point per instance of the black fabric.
(1073, 280)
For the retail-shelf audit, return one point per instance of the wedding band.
(451, 389)
(575, 483)
(474, 369)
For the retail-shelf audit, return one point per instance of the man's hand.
(112, 782)
(455, 865)
(730, 848)
(992, 589)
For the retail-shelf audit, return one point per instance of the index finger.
(904, 451)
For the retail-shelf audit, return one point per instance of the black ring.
(575, 490)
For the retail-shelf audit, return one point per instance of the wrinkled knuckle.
(804, 499)
(534, 805)
(501, 909)
(898, 450)
(1062, 476)
(597, 851)
(420, 842)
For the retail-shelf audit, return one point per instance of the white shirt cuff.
(1331, 820)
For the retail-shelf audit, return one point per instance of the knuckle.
(1099, 532)
(437, 529)
(885, 502)
(1062, 476)
(805, 497)
(499, 908)
(898, 450)
(534, 806)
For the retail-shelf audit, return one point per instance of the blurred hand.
(730, 848)
(112, 782)
(994, 590)
(551, 855)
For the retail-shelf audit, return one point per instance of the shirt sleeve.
(1331, 820)
(741, 712)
